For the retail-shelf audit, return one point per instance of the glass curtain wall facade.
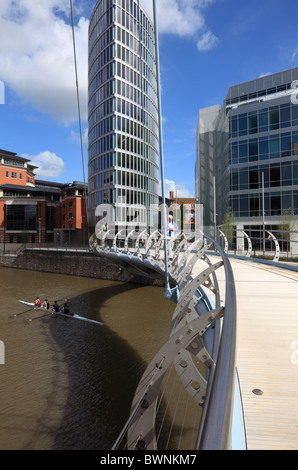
(122, 112)
(256, 140)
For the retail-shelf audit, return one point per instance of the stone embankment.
(73, 263)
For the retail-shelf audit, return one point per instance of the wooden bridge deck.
(267, 353)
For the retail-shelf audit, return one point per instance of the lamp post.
(214, 207)
(5, 222)
(263, 212)
(39, 230)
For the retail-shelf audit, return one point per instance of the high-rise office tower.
(250, 146)
(123, 112)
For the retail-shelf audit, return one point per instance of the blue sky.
(205, 47)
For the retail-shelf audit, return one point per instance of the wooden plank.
(267, 300)
(267, 329)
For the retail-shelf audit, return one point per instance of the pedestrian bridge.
(227, 376)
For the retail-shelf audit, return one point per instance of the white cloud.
(36, 50)
(180, 17)
(37, 59)
(76, 137)
(48, 163)
(179, 189)
(207, 41)
(294, 55)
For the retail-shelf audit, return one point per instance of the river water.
(67, 384)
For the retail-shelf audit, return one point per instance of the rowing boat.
(70, 315)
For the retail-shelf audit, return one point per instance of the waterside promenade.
(267, 352)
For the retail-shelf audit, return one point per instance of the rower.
(56, 307)
(37, 302)
(65, 309)
(46, 304)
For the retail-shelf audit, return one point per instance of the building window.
(244, 206)
(274, 176)
(275, 204)
(50, 217)
(6, 174)
(254, 206)
(295, 173)
(285, 115)
(273, 118)
(13, 174)
(286, 173)
(253, 178)
(21, 176)
(274, 147)
(21, 217)
(253, 124)
(253, 150)
(285, 143)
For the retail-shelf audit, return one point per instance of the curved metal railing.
(201, 349)
(272, 244)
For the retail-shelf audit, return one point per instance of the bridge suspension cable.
(79, 115)
(169, 294)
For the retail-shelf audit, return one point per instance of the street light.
(39, 230)
(214, 207)
(263, 212)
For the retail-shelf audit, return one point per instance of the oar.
(29, 320)
(21, 313)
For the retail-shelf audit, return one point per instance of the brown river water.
(68, 384)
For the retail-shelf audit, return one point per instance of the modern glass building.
(250, 145)
(122, 112)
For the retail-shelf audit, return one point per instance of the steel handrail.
(216, 423)
(215, 432)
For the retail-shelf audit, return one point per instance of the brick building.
(35, 211)
(183, 209)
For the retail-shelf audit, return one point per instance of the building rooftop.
(262, 86)
(13, 156)
(31, 189)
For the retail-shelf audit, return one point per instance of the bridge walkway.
(267, 353)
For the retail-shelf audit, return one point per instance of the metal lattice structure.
(200, 350)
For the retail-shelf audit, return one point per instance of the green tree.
(287, 224)
(228, 224)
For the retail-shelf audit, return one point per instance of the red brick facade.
(189, 212)
(35, 211)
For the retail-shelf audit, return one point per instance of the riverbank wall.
(74, 263)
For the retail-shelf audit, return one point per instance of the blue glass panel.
(285, 116)
(263, 149)
(243, 151)
(244, 206)
(242, 124)
(243, 178)
(286, 200)
(235, 153)
(274, 147)
(274, 119)
(285, 144)
(295, 172)
(253, 150)
(263, 120)
(286, 173)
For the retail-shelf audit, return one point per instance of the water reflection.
(68, 384)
